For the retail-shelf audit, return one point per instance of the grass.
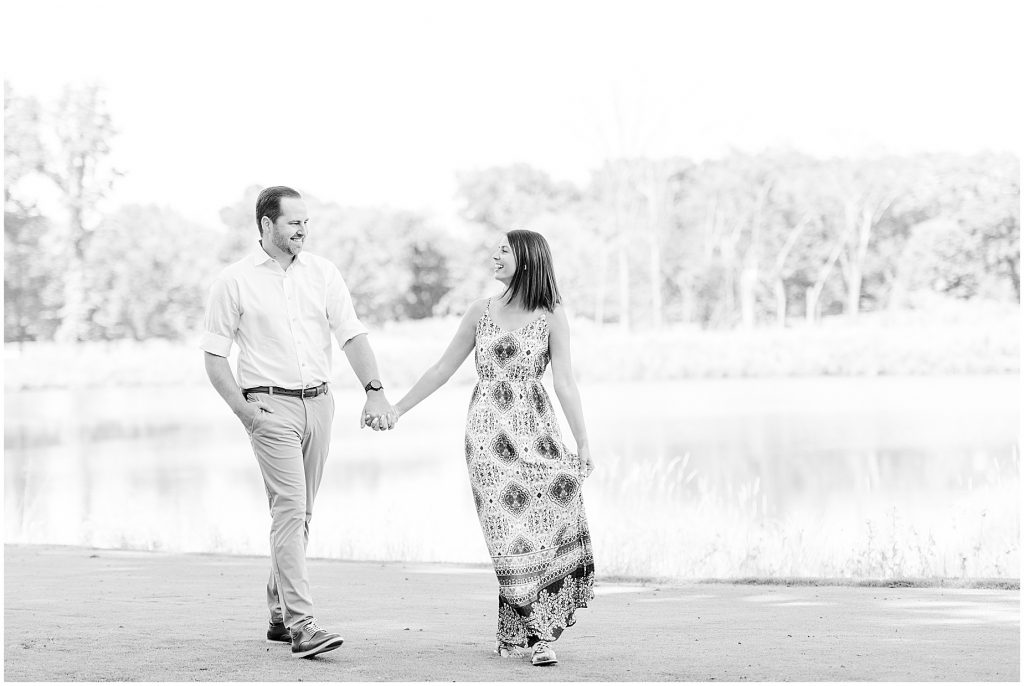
(934, 582)
(662, 520)
(982, 340)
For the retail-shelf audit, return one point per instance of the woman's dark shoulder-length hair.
(534, 281)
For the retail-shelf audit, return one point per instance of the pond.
(853, 477)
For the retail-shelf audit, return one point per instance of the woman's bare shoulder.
(477, 307)
(558, 318)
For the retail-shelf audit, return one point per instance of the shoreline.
(1006, 584)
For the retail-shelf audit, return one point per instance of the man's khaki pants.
(291, 445)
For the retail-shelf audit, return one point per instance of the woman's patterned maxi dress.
(526, 487)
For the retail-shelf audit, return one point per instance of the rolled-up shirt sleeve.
(341, 314)
(221, 321)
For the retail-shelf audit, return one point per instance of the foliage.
(776, 239)
(31, 284)
(31, 288)
(504, 198)
(138, 285)
(78, 165)
(395, 263)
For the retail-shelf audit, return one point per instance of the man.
(281, 307)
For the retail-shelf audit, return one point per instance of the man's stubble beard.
(285, 245)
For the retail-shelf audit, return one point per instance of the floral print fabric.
(526, 487)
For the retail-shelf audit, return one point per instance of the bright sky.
(382, 102)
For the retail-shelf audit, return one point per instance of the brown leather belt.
(297, 393)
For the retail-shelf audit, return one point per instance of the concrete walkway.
(98, 615)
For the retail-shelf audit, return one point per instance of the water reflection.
(705, 478)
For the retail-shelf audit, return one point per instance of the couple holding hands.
(282, 306)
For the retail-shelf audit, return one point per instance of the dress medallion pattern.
(526, 487)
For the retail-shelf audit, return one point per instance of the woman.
(526, 484)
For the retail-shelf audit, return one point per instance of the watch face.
(374, 385)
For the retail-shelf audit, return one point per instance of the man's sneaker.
(278, 633)
(311, 640)
(543, 655)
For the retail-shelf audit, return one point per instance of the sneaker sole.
(282, 641)
(324, 647)
(545, 663)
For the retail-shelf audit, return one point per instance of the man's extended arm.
(360, 356)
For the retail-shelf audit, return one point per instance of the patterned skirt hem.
(551, 612)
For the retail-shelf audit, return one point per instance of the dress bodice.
(519, 355)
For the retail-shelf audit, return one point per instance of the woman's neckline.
(506, 330)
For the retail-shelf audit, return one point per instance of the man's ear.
(265, 224)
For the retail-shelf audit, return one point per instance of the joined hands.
(378, 413)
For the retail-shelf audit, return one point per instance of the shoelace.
(312, 627)
(539, 647)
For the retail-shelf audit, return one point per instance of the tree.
(80, 167)
(31, 301)
(965, 240)
(658, 183)
(241, 231)
(498, 199)
(941, 256)
(505, 198)
(866, 191)
(138, 288)
(733, 204)
(991, 214)
(692, 260)
(23, 150)
(618, 208)
(395, 263)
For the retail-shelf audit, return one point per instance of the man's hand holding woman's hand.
(378, 413)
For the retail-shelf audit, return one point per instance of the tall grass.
(665, 519)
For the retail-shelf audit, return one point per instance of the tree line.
(747, 240)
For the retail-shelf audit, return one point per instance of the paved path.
(98, 615)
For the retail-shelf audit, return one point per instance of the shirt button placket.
(293, 328)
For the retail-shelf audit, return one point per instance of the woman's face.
(504, 261)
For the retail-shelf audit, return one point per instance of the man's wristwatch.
(374, 385)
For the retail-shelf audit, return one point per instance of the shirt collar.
(260, 256)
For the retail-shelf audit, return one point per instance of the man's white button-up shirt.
(282, 320)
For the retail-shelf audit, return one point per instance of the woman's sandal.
(507, 650)
(543, 654)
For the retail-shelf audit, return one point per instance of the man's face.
(288, 234)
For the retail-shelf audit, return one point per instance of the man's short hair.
(268, 204)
